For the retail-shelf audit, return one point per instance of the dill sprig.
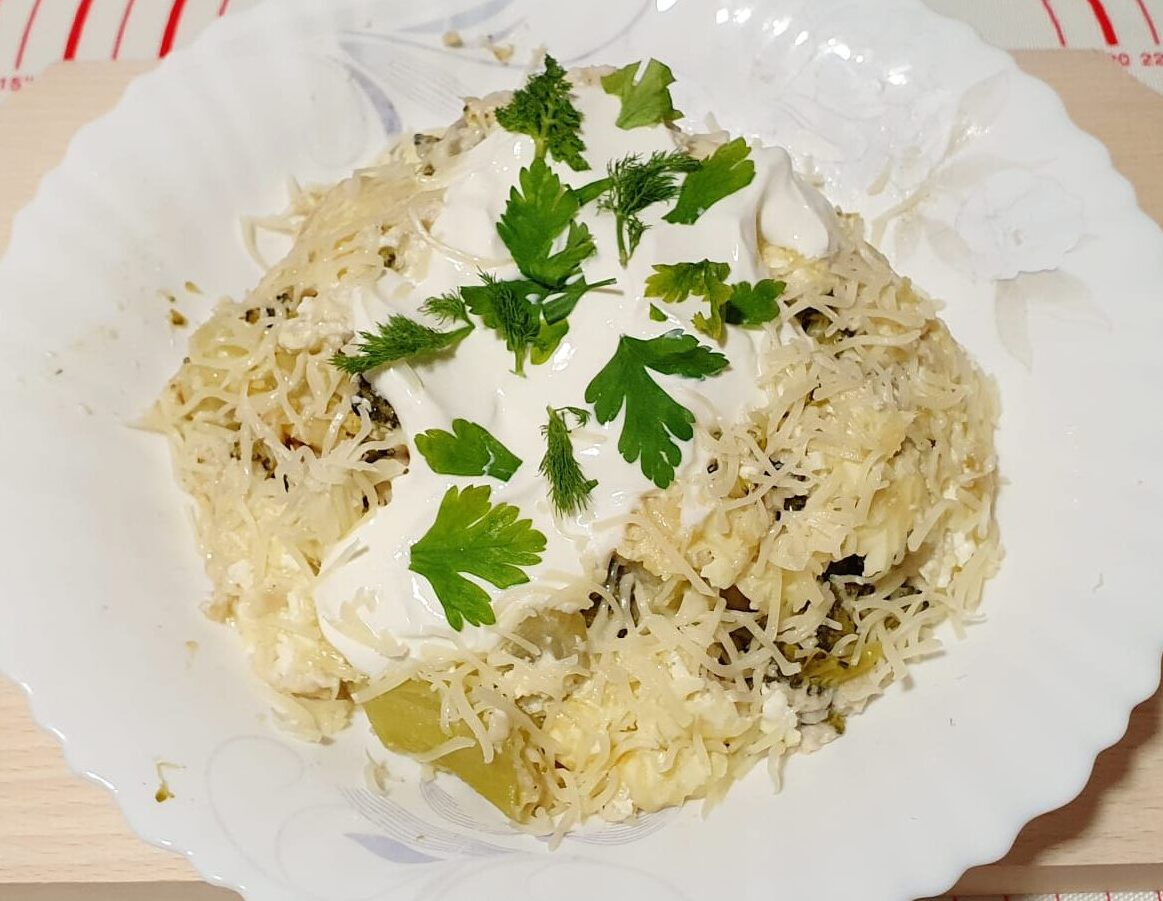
(633, 184)
(506, 308)
(518, 322)
(446, 308)
(569, 489)
(399, 338)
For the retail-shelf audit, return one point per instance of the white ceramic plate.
(977, 185)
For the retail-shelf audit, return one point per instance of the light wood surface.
(63, 838)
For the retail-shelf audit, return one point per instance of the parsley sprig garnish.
(474, 536)
(543, 110)
(530, 314)
(739, 304)
(675, 282)
(645, 100)
(539, 210)
(569, 489)
(468, 450)
(632, 184)
(726, 171)
(753, 306)
(399, 338)
(654, 419)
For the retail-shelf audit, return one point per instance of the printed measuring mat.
(34, 34)
(1129, 30)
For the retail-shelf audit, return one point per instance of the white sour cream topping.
(368, 574)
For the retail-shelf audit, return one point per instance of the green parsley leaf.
(563, 303)
(674, 283)
(543, 110)
(400, 338)
(653, 418)
(473, 536)
(506, 308)
(534, 217)
(656, 314)
(737, 304)
(726, 171)
(469, 450)
(547, 341)
(711, 324)
(635, 184)
(645, 101)
(569, 489)
(591, 191)
(751, 306)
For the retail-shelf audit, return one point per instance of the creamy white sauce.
(477, 381)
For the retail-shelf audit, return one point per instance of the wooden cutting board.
(63, 838)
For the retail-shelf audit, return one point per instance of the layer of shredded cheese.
(852, 516)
